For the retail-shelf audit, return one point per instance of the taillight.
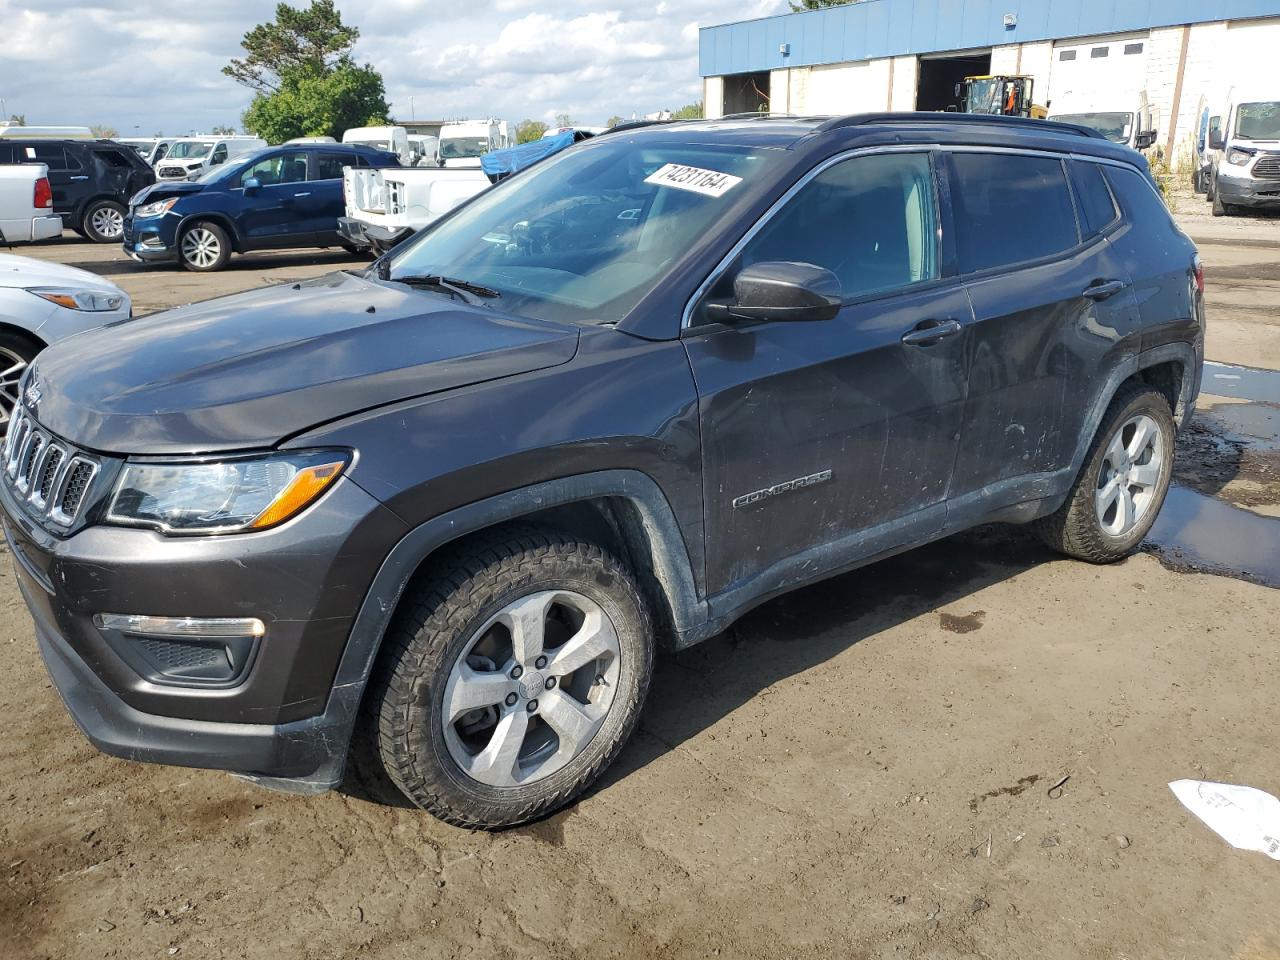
(44, 194)
(1198, 266)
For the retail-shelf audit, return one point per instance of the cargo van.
(389, 139)
(1246, 172)
(189, 158)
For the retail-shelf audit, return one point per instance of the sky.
(144, 67)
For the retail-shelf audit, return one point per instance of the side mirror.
(1216, 140)
(1144, 139)
(781, 290)
(252, 185)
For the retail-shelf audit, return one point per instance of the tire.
(103, 222)
(500, 761)
(204, 247)
(1080, 527)
(16, 354)
(1221, 209)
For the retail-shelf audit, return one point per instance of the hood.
(250, 370)
(25, 272)
(165, 188)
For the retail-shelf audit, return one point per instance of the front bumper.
(150, 240)
(1248, 192)
(284, 718)
(366, 235)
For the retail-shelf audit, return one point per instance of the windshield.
(457, 148)
(1114, 126)
(190, 149)
(585, 235)
(1258, 121)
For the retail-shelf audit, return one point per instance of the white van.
(424, 149)
(45, 133)
(189, 158)
(463, 142)
(1247, 170)
(311, 140)
(391, 139)
(150, 149)
(1208, 123)
(1132, 124)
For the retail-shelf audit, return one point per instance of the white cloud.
(135, 64)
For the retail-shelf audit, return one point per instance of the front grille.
(1268, 168)
(50, 476)
(172, 172)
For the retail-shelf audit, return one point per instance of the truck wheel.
(204, 247)
(16, 354)
(1221, 209)
(104, 222)
(1122, 484)
(512, 678)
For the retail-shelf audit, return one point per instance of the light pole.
(412, 113)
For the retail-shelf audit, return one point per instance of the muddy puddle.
(1222, 514)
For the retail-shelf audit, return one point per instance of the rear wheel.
(16, 354)
(104, 222)
(204, 247)
(1122, 485)
(513, 679)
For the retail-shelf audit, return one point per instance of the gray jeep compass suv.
(457, 500)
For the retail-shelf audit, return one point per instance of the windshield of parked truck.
(1116, 127)
(458, 148)
(190, 149)
(1258, 121)
(583, 236)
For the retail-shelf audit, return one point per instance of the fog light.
(181, 626)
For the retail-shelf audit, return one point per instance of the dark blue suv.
(288, 196)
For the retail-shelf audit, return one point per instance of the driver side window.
(275, 169)
(872, 221)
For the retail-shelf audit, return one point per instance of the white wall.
(846, 88)
(906, 78)
(712, 97)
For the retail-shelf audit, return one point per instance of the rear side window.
(1097, 209)
(328, 166)
(114, 158)
(871, 221)
(1010, 209)
(51, 154)
(1137, 196)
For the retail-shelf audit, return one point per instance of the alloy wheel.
(12, 367)
(531, 688)
(200, 247)
(108, 223)
(1129, 479)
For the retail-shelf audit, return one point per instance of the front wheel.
(204, 247)
(1122, 485)
(513, 679)
(1221, 209)
(16, 354)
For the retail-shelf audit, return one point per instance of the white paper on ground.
(1246, 818)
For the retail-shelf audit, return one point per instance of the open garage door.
(939, 76)
(1096, 74)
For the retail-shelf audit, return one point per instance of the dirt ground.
(858, 770)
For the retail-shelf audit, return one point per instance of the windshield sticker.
(709, 183)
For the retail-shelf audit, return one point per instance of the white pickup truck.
(26, 204)
(388, 205)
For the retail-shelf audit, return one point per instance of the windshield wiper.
(464, 290)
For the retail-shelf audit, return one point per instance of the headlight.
(226, 496)
(1238, 157)
(155, 209)
(90, 300)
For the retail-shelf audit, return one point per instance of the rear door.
(824, 442)
(72, 183)
(325, 205)
(1054, 309)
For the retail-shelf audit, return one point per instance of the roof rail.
(634, 125)
(758, 115)
(978, 119)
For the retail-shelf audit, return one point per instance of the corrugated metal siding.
(884, 28)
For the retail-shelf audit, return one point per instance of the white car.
(189, 158)
(41, 303)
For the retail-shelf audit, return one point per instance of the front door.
(1052, 302)
(829, 441)
(271, 215)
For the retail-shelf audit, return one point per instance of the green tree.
(529, 130)
(804, 5)
(690, 111)
(305, 80)
(613, 122)
(103, 132)
(223, 131)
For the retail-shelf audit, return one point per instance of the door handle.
(304, 194)
(78, 178)
(929, 332)
(1104, 289)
